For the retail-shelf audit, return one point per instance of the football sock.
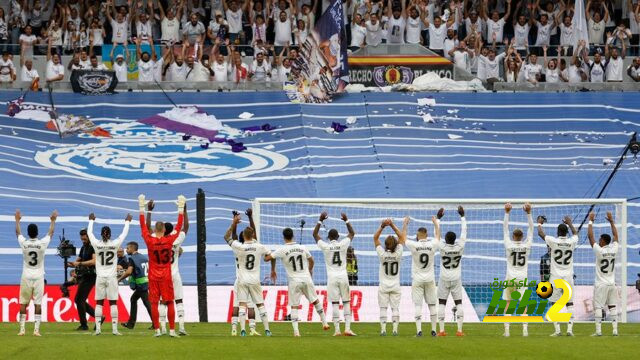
(395, 317)
(441, 316)
(433, 314)
(346, 307)
(383, 319)
(114, 318)
(98, 317)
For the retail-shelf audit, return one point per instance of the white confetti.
(269, 147)
(187, 148)
(452, 111)
(427, 118)
(387, 125)
(426, 102)
(574, 163)
(329, 130)
(245, 115)
(408, 123)
(152, 146)
(454, 137)
(375, 111)
(13, 132)
(607, 162)
(351, 120)
(390, 109)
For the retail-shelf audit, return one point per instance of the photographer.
(86, 279)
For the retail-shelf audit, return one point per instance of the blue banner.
(321, 68)
(333, 39)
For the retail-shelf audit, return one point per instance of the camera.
(65, 248)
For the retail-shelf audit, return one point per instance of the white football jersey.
(175, 252)
(605, 263)
(517, 251)
(248, 257)
(335, 257)
(561, 255)
(451, 256)
(33, 256)
(295, 259)
(389, 273)
(106, 251)
(423, 254)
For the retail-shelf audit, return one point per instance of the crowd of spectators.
(202, 40)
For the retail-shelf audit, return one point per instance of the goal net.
(484, 258)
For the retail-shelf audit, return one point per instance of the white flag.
(580, 30)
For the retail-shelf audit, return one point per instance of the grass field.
(213, 341)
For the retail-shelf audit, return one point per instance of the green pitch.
(213, 341)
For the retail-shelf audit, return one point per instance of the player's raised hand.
(610, 217)
(324, 216)
(54, 215)
(181, 201)
(406, 220)
(141, 202)
(592, 216)
(150, 205)
(507, 207)
(461, 211)
(527, 208)
(128, 218)
(237, 219)
(92, 216)
(440, 213)
(18, 215)
(567, 220)
(249, 212)
(344, 217)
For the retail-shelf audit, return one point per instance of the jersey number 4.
(106, 258)
(336, 259)
(562, 257)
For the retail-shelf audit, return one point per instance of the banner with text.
(364, 304)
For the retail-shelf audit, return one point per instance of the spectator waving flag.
(321, 68)
(580, 25)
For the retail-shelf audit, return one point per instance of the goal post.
(484, 259)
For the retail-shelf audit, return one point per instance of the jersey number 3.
(34, 258)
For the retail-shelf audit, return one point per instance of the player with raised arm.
(451, 274)
(248, 257)
(107, 270)
(517, 257)
(159, 247)
(604, 291)
(32, 281)
(423, 278)
(562, 249)
(390, 257)
(251, 313)
(298, 263)
(178, 293)
(335, 258)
